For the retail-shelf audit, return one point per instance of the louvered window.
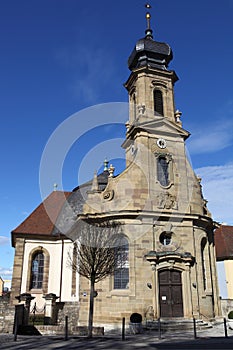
(158, 102)
(37, 270)
(163, 173)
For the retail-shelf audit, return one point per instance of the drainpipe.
(62, 253)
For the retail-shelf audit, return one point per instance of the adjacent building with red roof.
(224, 255)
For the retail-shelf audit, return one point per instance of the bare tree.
(97, 255)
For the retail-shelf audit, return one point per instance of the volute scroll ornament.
(108, 195)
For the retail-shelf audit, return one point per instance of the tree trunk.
(91, 308)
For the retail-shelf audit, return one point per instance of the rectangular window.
(158, 102)
(121, 278)
(162, 170)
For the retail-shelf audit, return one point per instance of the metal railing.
(37, 315)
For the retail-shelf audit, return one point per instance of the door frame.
(184, 264)
(169, 293)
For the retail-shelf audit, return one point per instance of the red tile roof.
(41, 221)
(224, 242)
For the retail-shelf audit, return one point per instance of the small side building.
(224, 257)
(41, 255)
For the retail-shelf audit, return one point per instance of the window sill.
(119, 292)
(36, 291)
(165, 187)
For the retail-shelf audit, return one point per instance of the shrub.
(230, 314)
(136, 318)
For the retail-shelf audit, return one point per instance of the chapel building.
(170, 272)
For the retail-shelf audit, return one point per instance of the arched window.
(158, 102)
(37, 270)
(162, 171)
(121, 274)
(203, 262)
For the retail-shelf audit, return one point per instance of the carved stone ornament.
(108, 195)
(166, 200)
(141, 109)
(158, 83)
(154, 147)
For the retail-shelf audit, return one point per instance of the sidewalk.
(213, 338)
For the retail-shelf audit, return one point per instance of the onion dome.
(150, 53)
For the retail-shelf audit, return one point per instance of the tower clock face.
(161, 143)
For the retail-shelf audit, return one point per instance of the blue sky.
(61, 56)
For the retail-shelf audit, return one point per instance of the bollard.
(225, 327)
(194, 328)
(123, 328)
(66, 328)
(159, 328)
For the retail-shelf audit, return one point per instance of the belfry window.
(37, 270)
(163, 171)
(121, 274)
(158, 102)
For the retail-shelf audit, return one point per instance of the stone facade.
(7, 313)
(17, 270)
(168, 226)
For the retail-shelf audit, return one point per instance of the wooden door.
(170, 293)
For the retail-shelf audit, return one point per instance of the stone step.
(177, 325)
(60, 330)
(50, 330)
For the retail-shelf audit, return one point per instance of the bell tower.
(150, 89)
(151, 84)
(182, 255)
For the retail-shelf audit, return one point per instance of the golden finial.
(148, 17)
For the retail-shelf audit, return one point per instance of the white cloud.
(211, 138)
(4, 240)
(217, 185)
(214, 133)
(5, 272)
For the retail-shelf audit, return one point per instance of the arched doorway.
(170, 293)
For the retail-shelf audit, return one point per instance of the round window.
(165, 238)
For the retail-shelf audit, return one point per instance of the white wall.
(222, 281)
(56, 267)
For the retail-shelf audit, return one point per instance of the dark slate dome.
(74, 204)
(151, 53)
